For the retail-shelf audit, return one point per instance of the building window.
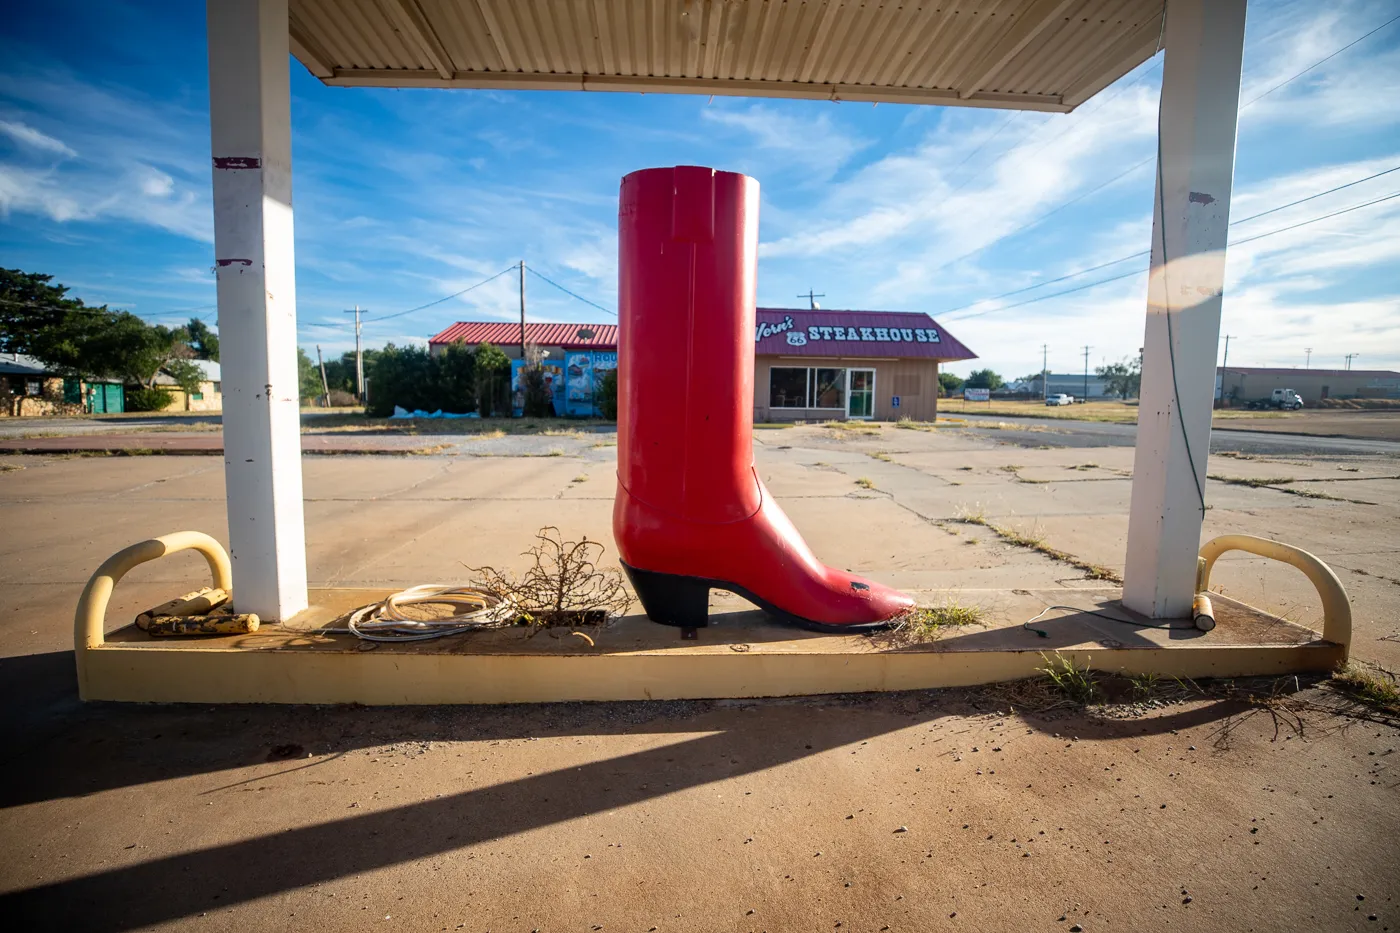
(196, 396)
(830, 388)
(794, 387)
(33, 387)
(787, 387)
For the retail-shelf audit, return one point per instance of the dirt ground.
(990, 809)
(1324, 422)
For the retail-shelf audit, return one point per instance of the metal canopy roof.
(1047, 55)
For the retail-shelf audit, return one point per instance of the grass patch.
(1252, 482)
(773, 425)
(928, 622)
(1083, 466)
(1280, 484)
(865, 483)
(1080, 686)
(1036, 543)
(881, 455)
(1370, 684)
(581, 478)
(1106, 411)
(355, 423)
(848, 428)
(965, 468)
(909, 424)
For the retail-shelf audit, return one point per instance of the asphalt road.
(1036, 432)
(1060, 433)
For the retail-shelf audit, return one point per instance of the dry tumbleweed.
(563, 586)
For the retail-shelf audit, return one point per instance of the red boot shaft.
(690, 512)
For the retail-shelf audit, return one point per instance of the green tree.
(607, 395)
(203, 341)
(1123, 379)
(456, 378)
(984, 379)
(187, 374)
(492, 371)
(949, 384)
(308, 377)
(38, 319)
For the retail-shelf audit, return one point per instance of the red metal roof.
(592, 336)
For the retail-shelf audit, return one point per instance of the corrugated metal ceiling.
(1014, 54)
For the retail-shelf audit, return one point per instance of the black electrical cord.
(1090, 612)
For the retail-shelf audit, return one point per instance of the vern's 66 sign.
(867, 334)
(843, 333)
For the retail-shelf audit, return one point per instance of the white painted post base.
(1200, 102)
(250, 120)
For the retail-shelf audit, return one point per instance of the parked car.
(1059, 399)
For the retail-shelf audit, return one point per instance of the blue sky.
(403, 197)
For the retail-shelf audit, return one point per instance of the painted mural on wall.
(583, 380)
(553, 377)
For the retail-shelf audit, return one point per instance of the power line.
(1095, 190)
(1322, 61)
(569, 293)
(1114, 262)
(385, 317)
(1116, 278)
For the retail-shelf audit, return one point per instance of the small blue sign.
(895, 401)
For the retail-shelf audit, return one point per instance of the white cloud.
(28, 136)
(815, 147)
(156, 184)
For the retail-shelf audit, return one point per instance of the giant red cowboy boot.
(691, 514)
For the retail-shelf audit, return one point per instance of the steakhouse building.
(834, 365)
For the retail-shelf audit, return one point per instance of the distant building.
(808, 364)
(1243, 383)
(209, 396)
(28, 388)
(819, 365)
(1064, 384)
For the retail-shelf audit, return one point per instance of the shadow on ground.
(64, 748)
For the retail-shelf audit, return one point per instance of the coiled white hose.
(384, 621)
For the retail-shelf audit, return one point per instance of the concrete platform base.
(741, 654)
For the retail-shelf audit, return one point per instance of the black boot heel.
(672, 599)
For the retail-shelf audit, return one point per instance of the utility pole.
(1307, 360)
(325, 389)
(1086, 371)
(1223, 371)
(522, 309)
(1350, 357)
(359, 358)
(1044, 372)
(812, 297)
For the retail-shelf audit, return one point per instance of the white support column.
(1200, 101)
(250, 118)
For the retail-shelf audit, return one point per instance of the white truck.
(1286, 399)
(1059, 399)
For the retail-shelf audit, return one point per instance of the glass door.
(860, 394)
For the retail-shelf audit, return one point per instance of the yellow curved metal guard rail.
(1336, 608)
(90, 619)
